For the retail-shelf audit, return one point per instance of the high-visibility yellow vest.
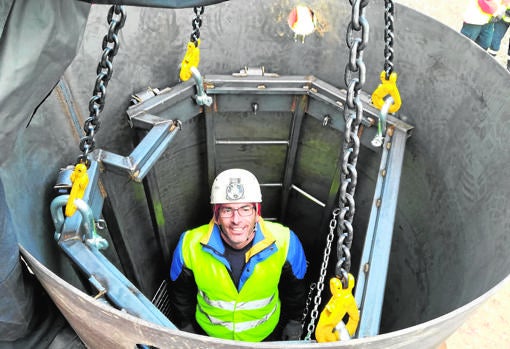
(506, 17)
(251, 313)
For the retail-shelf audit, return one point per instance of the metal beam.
(288, 171)
(373, 270)
(146, 153)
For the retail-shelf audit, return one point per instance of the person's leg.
(508, 57)
(472, 31)
(500, 28)
(485, 37)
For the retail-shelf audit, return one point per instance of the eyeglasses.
(244, 211)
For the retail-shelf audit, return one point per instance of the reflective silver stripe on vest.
(239, 326)
(252, 305)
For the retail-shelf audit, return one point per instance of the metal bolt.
(326, 120)
(366, 267)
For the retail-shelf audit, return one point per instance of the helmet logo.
(235, 189)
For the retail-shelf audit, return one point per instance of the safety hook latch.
(331, 327)
(191, 59)
(388, 86)
(386, 98)
(80, 179)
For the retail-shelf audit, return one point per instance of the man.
(239, 277)
(478, 22)
(500, 29)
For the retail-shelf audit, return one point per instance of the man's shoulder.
(279, 231)
(196, 233)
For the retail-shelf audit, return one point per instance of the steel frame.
(155, 112)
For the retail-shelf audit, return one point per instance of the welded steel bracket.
(146, 153)
(76, 240)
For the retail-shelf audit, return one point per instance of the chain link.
(324, 268)
(196, 23)
(389, 36)
(104, 71)
(307, 305)
(357, 39)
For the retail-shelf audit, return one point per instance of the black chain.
(357, 39)
(389, 36)
(196, 23)
(104, 73)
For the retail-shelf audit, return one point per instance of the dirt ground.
(489, 327)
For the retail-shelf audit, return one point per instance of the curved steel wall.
(451, 227)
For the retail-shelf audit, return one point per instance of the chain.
(389, 36)
(104, 73)
(353, 112)
(307, 305)
(320, 284)
(196, 23)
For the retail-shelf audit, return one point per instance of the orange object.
(302, 20)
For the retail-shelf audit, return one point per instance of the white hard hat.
(235, 185)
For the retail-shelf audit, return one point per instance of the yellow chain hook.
(191, 59)
(385, 88)
(80, 179)
(341, 303)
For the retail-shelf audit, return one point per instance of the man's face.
(237, 223)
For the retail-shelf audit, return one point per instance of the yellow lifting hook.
(341, 303)
(80, 179)
(191, 59)
(385, 88)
